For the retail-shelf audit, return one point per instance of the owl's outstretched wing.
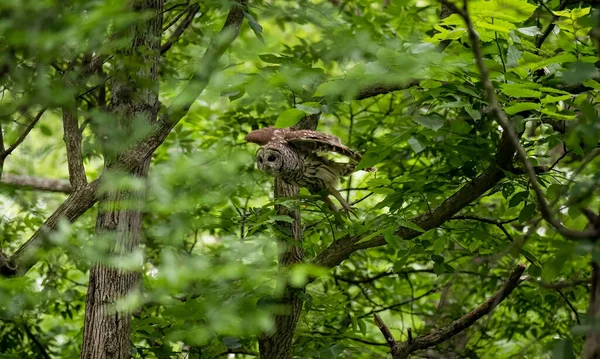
(313, 141)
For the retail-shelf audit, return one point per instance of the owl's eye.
(271, 158)
(260, 160)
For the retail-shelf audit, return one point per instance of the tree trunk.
(106, 331)
(278, 345)
(591, 347)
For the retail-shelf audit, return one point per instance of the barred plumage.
(292, 156)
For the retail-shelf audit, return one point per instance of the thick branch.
(72, 138)
(403, 350)
(503, 120)
(376, 90)
(341, 249)
(36, 183)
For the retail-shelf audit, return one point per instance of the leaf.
(289, 118)
(431, 122)
(283, 219)
(309, 109)
(578, 72)
(522, 106)
(254, 25)
(369, 159)
(476, 115)
(558, 115)
(527, 212)
(518, 198)
(519, 91)
(409, 224)
(512, 56)
(415, 145)
(45, 129)
(362, 326)
(552, 99)
(530, 31)
(563, 349)
(591, 84)
(437, 258)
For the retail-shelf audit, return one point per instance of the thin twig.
(181, 28)
(539, 41)
(21, 138)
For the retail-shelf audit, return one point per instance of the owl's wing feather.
(314, 141)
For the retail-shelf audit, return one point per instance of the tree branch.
(72, 138)
(23, 135)
(387, 334)
(185, 23)
(503, 120)
(79, 202)
(36, 183)
(342, 248)
(539, 40)
(376, 90)
(403, 350)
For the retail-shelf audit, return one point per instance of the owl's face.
(269, 160)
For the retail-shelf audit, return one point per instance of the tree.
(136, 225)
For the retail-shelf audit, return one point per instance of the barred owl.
(292, 156)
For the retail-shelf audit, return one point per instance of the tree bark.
(591, 347)
(106, 329)
(278, 345)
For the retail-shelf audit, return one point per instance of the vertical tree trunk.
(134, 95)
(591, 347)
(278, 345)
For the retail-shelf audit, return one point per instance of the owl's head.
(269, 160)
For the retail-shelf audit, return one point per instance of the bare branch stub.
(387, 334)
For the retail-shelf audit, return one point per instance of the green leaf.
(552, 99)
(283, 219)
(369, 159)
(522, 106)
(415, 145)
(527, 212)
(518, 198)
(363, 327)
(519, 91)
(437, 258)
(289, 118)
(563, 348)
(409, 224)
(530, 31)
(591, 84)
(558, 115)
(311, 108)
(45, 129)
(254, 25)
(431, 122)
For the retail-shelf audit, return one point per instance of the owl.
(293, 157)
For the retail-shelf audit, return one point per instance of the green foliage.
(208, 258)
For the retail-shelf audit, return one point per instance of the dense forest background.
(134, 223)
